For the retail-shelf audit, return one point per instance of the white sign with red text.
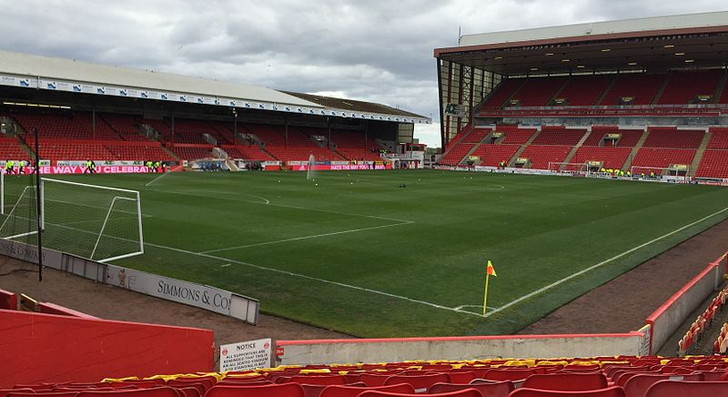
(245, 356)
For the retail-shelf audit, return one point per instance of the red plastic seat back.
(567, 381)
(461, 393)
(419, 382)
(333, 379)
(612, 391)
(674, 388)
(354, 391)
(274, 390)
(494, 389)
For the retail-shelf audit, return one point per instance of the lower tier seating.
(541, 156)
(493, 155)
(611, 157)
(714, 164)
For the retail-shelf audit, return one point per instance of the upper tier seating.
(584, 90)
(191, 131)
(192, 152)
(131, 152)
(355, 145)
(502, 92)
(538, 91)
(247, 152)
(127, 127)
(642, 88)
(684, 88)
(294, 145)
(78, 125)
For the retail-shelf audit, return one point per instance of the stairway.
(523, 147)
(575, 148)
(699, 154)
(628, 164)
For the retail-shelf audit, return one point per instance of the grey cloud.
(372, 50)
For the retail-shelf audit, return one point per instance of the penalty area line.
(600, 264)
(157, 178)
(306, 237)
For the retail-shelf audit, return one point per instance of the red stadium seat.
(461, 377)
(491, 389)
(375, 379)
(333, 379)
(59, 393)
(275, 390)
(637, 385)
(4, 392)
(460, 393)
(612, 391)
(510, 374)
(567, 381)
(419, 382)
(202, 382)
(354, 391)
(673, 388)
(162, 391)
(189, 391)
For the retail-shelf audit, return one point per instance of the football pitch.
(403, 253)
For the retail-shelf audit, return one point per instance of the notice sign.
(245, 355)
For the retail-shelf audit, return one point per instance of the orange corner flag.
(490, 270)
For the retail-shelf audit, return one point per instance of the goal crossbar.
(110, 206)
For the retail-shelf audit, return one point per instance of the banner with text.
(203, 296)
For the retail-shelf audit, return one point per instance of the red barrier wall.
(37, 347)
(667, 318)
(52, 308)
(8, 300)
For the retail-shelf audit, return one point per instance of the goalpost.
(569, 168)
(95, 222)
(674, 173)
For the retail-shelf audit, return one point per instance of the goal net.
(18, 208)
(675, 173)
(569, 168)
(90, 221)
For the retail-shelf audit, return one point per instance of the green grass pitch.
(403, 253)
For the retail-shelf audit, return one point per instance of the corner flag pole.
(488, 271)
(485, 295)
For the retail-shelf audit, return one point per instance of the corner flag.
(489, 270)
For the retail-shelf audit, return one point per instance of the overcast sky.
(371, 50)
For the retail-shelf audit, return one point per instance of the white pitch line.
(602, 263)
(268, 203)
(264, 268)
(305, 237)
(324, 281)
(157, 178)
(341, 213)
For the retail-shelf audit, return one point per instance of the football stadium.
(569, 239)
